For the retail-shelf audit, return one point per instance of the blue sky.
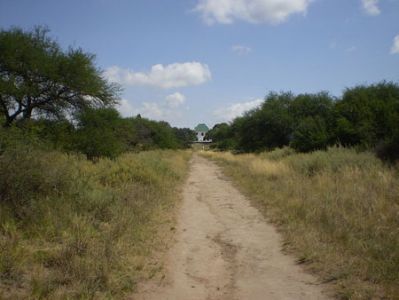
(194, 61)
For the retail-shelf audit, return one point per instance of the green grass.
(338, 211)
(73, 229)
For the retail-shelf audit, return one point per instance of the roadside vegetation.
(70, 228)
(84, 210)
(325, 169)
(337, 210)
(365, 117)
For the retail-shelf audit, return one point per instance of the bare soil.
(225, 249)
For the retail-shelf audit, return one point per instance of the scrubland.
(71, 228)
(338, 211)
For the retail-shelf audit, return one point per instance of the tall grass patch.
(70, 228)
(337, 210)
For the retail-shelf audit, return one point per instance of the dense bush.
(366, 117)
(369, 116)
(371, 113)
(222, 135)
(28, 174)
(98, 133)
(310, 134)
(283, 119)
(267, 127)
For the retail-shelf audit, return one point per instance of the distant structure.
(201, 130)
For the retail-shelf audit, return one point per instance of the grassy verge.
(337, 210)
(73, 229)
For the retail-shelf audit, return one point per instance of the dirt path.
(225, 249)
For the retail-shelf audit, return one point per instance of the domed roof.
(201, 128)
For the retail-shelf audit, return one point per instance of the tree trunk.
(27, 114)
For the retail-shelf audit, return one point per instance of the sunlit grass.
(70, 228)
(338, 211)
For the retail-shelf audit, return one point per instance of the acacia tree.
(38, 78)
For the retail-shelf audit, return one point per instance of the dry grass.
(338, 212)
(73, 229)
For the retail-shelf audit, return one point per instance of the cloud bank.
(162, 76)
(175, 99)
(252, 11)
(168, 109)
(237, 109)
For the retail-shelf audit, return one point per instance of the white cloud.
(152, 110)
(175, 99)
(126, 108)
(169, 110)
(395, 46)
(241, 50)
(160, 111)
(164, 76)
(237, 109)
(371, 7)
(253, 11)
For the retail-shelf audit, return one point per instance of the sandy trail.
(225, 249)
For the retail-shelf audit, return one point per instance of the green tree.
(368, 115)
(310, 134)
(97, 133)
(163, 135)
(222, 135)
(38, 78)
(149, 134)
(267, 127)
(313, 121)
(312, 105)
(185, 136)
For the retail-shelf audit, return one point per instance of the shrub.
(310, 135)
(278, 153)
(70, 228)
(97, 134)
(28, 174)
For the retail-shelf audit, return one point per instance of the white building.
(201, 130)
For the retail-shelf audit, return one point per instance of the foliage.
(313, 115)
(310, 134)
(97, 133)
(282, 119)
(369, 116)
(365, 117)
(222, 135)
(152, 134)
(38, 78)
(185, 136)
(267, 127)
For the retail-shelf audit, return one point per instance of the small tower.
(201, 130)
